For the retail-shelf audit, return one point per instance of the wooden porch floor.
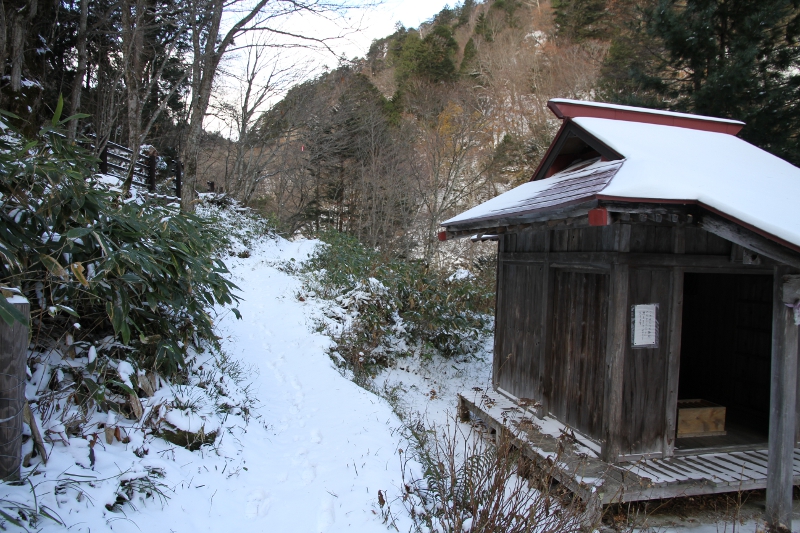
(573, 460)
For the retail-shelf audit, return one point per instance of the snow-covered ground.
(312, 458)
(314, 454)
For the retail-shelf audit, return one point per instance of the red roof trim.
(573, 109)
(714, 210)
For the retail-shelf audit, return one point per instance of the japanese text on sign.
(644, 326)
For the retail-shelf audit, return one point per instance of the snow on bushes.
(385, 307)
(140, 271)
(123, 349)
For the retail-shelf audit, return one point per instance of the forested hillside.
(437, 118)
(432, 120)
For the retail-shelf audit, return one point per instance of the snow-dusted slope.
(311, 459)
(328, 445)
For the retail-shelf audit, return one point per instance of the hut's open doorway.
(725, 359)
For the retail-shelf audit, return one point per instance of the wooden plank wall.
(645, 370)
(597, 239)
(518, 333)
(573, 380)
(701, 242)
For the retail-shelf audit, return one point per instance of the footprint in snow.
(326, 516)
(257, 504)
(316, 437)
(309, 473)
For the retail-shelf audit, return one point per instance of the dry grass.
(460, 478)
(456, 480)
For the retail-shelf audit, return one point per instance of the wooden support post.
(783, 399)
(13, 358)
(463, 411)
(545, 325)
(678, 240)
(104, 161)
(178, 176)
(618, 317)
(498, 301)
(151, 172)
(673, 360)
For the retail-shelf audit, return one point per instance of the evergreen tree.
(468, 59)
(727, 58)
(432, 58)
(580, 19)
(465, 12)
(435, 58)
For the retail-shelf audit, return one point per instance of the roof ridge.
(565, 108)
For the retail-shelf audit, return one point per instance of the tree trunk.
(132, 42)
(206, 61)
(3, 39)
(77, 84)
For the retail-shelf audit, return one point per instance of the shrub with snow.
(384, 307)
(92, 264)
(123, 348)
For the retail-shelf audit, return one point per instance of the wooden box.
(700, 418)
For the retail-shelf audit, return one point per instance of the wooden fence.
(117, 159)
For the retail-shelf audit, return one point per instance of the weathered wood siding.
(553, 319)
(518, 334)
(573, 377)
(526, 241)
(701, 242)
(599, 239)
(645, 369)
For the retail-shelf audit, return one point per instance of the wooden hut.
(646, 280)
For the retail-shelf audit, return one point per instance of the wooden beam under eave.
(569, 223)
(574, 215)
(782, 414)
(749, 239)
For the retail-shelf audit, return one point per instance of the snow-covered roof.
(681, 165)
(567, 186)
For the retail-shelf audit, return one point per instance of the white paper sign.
(645, 326)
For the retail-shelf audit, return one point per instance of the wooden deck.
(573, 460)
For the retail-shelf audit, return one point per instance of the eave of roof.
(558, 191)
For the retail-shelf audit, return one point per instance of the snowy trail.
(314, 460)
(328, 446)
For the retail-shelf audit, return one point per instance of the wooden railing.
(117, 159)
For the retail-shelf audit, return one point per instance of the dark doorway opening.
(726, 354)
